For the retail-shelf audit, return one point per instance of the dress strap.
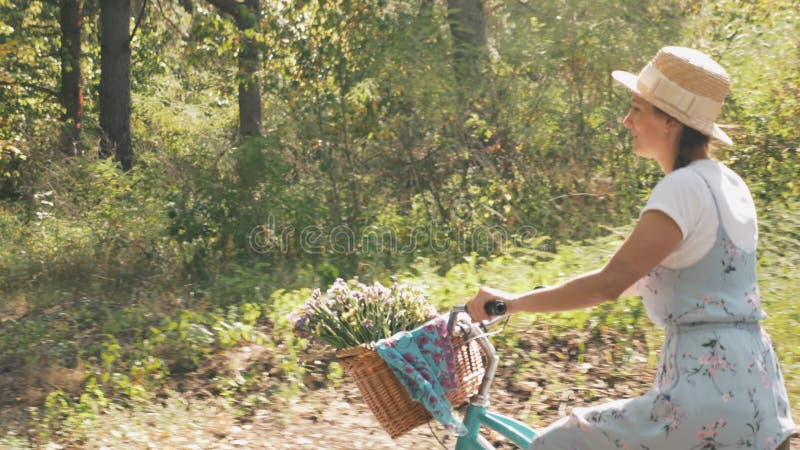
(713, 197)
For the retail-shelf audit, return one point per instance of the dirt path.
(571, 369)
(542, 377)
(337, 420)
(330, 419)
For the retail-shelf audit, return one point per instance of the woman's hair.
(690, 143)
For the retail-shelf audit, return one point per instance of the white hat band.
(652, 82)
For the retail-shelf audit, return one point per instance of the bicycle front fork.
(519, 433)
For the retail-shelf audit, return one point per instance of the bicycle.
(477, 413)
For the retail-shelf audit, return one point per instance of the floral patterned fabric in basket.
(424, 361)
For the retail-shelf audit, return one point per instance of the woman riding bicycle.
(692, 259)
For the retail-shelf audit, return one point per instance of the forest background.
(176, 176)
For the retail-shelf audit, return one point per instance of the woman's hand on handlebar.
(476, 307)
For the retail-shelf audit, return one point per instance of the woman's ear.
(674, 125)
(671, 121)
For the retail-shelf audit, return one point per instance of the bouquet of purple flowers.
(351, 313)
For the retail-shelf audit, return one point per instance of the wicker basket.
(388, 399)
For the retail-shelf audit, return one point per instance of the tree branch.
(35, 87)
(169, 21)
(138, 21)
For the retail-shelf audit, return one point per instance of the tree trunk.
(247, 15)
(468, 27)
(249, 59)
(71, 87)
(115, 81)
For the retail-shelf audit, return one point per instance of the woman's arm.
(653, 239)
(631, 291)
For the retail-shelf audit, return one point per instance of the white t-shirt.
(684, 197)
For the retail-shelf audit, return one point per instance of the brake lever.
(451, 322)
(459, 309)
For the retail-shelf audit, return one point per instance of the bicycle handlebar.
(495, 307)
(472, 331)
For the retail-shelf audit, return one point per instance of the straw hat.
(684, 83)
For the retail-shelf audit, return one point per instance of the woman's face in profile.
(647, 126)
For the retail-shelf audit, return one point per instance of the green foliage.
(30, 70)
(757, 42)
(778, 263)
(61, 413)
(375, 162)
(11, 162)
(28, 86)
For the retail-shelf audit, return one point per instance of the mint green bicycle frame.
(520, 434)
(477, 414)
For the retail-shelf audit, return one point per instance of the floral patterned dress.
(718, 383)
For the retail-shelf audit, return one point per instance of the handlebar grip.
(495, 307)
